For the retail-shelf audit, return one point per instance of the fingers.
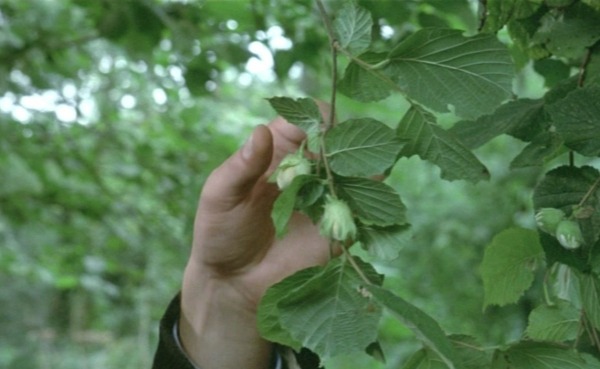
(288, 137)
(233, 180)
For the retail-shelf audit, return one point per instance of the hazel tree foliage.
(333, 310)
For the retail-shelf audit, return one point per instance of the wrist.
(217, 327)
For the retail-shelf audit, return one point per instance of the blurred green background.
(112, 113)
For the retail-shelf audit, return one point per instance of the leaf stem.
(596, 338)
(589, 193)
(591, 331)
(372, 68)
(355, 266)
(547, 297)
(580, 330)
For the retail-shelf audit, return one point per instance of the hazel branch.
(335, 47)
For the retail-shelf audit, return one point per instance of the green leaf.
(470, 354)
(303, 112)
(564, 187)
(352, 28)
(310, 200)
(331, 314)
(593, 3)
(521, 118)
(441, 67)
(384, 243)
(577, 120)
(285, 203)
(536, 355)
(500, 12)
(556, 323)
(565, 284)
(508, 265)
(366, 84)
(521, 32)
(590, 361)
(269, 325)
(561, 90)
(373, 202)
(543, 148)
(432, 143)
(554, 71)
(422, 325)
(424, 359)
(567, 33)
(590, 298)
(361, 147)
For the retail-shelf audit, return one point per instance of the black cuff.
(168, 354)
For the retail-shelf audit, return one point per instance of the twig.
(331, 118)
(326, 20)
(581, 80)
(332, 42)
(583, 68)
(482, 15)
(571, 158)
(334, 77)
(336, 47)
(325, 161)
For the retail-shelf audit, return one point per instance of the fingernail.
(248, 148)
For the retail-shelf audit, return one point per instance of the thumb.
(233, 181)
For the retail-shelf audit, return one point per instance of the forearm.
(215, 330)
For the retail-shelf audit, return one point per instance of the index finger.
(287, 137)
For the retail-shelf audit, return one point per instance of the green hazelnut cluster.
(291, 166)
(554, 222)
(337, 222)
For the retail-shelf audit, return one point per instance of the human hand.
(235, 255)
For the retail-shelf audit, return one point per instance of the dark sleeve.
(169, 356)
